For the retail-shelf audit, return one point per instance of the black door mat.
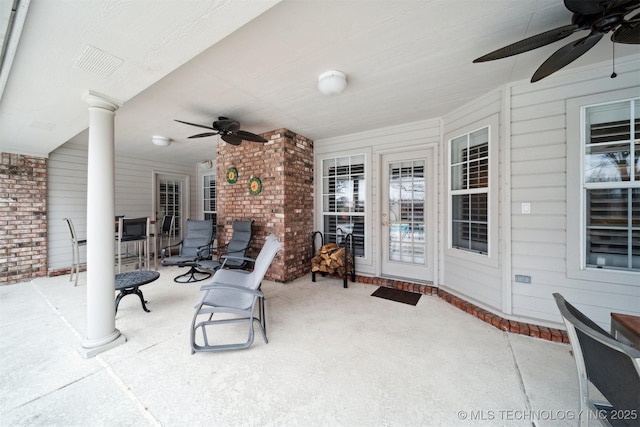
(397, 295)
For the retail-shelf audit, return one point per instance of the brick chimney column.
(284, 207)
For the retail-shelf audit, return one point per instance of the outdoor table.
(130, 282)
(626, 328)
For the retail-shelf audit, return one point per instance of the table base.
(130, 291)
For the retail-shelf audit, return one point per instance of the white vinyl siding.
(67, 195)
(546, 157)
(474, 275)
(373, 144)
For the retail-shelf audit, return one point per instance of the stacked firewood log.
(330, 259)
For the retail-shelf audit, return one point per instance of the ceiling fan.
(599, 16)
(229, 131)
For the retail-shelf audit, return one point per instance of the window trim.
(318, 191)
(491, 258)
(202, 194)
(576, 236)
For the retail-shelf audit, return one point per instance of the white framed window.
(344, 200)
(610, 185)
(471, 209)
(209, 208)
(591, 177)
(469, 191)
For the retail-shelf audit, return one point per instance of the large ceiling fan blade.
(193, 124)
(590, 7)
(232, 139)
(628, 32)
(202, 135)
(531, 43)
(566, 55)
(248, 136)
(228, 129)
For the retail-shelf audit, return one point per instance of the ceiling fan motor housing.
(226, 125)
(607, 23)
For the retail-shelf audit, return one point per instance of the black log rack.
(347, 243)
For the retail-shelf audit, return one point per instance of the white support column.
(101, 324)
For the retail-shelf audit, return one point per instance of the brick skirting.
(543, 332)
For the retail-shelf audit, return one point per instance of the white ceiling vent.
(97, 62)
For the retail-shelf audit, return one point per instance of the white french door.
(408, 215)
(172, 198)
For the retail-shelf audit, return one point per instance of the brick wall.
(283, 207)
(23, 218)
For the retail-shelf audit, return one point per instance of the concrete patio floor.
(335, 357)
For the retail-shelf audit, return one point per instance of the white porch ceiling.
(258, 62)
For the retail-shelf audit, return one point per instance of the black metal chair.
(167, 230)
(75, 251)
(233, 253)
(134, 230)
(610, 365)
(196, 245)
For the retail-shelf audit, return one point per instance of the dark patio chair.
(195, 246)
(75, 251)
(235, 294)
(167, 230)
(136, 231)
(232, 255)
(610, 365)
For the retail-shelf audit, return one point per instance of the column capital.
(95, 99)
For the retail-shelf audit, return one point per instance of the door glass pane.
(169, 201)
(406, 212)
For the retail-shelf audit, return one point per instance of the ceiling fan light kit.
(597, 16)
(332, 82)
(161, 141)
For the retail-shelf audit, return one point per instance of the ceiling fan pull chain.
(613, 63)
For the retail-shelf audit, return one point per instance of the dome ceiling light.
(332, 82)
